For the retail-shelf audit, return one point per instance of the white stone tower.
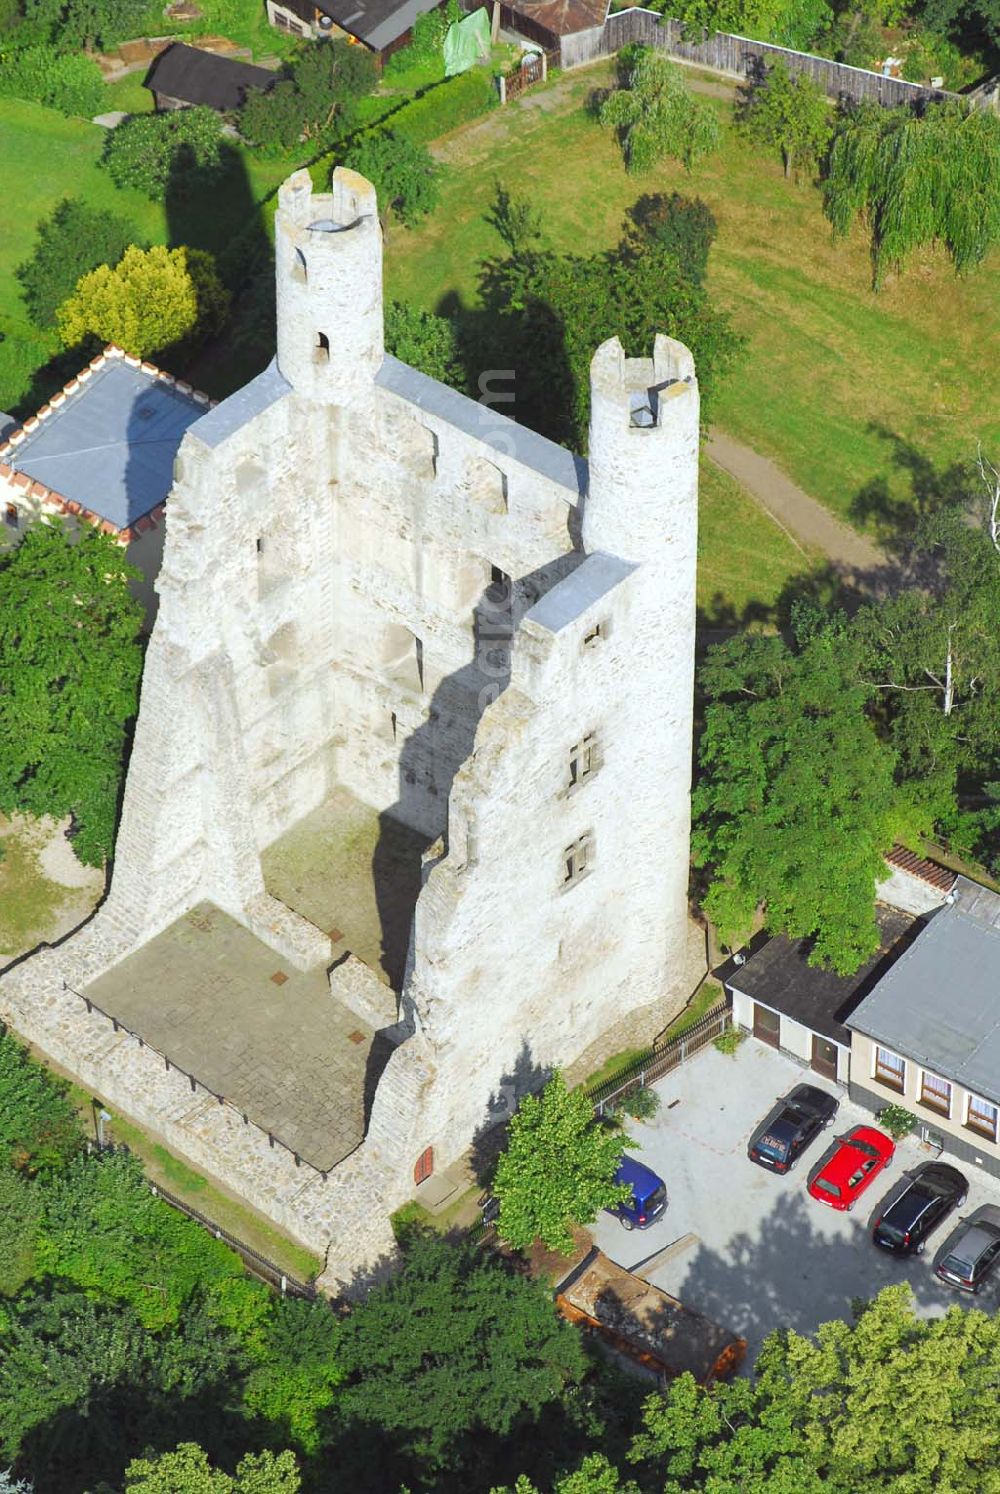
(328, 269)
(642, 505)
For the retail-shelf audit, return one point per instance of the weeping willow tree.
(917, 179)
(655, 114)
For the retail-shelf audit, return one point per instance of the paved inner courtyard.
(229, 1011)
(355, 874)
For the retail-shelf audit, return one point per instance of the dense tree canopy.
(96, 24)
(150, 301)
(558, 1169)
(655, 113)
(157, 152)
(313, 99)
(187, 1470)
(425, 341)
(403, 173)
(547, 312)
(684, 226)
(798, 797)
(74, 239)
(785, 113)
(453, 1345)
(70, 661)
(916, 180)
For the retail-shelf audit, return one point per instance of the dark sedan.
(795, 1121)
(932, 1191)
(972, 1252)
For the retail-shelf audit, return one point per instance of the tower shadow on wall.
(215, 210)
(431, 754)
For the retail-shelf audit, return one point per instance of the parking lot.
(765, 1254)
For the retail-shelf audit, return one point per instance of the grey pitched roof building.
(780, 976)
(104, 446)
(939, 1004)
(188, 75)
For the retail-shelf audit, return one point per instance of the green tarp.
(467, 42)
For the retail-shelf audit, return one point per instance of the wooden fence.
(737, 56)
(660, 1059)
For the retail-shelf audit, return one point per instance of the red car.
(856, 1161)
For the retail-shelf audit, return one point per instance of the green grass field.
(841, 387)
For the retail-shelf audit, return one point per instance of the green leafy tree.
(70, 660)
(515, 219)
(155, 151)
(187, 1470)
(930, 654)
(655, 114)
(55, 1351)
(96, 24)
(797, 799)
(915, 180)
(103, 1230)
(66, 81)
(889, 1401)
(296, 1369)
(559, 1168)
(453, 1346)
(39, 1130)
(547, 313)
(595, 1475)
(403, 173)
(789, 23)
(150, 301)
(315, 97)
(962, 17)
(19, 1213)
(425, 341)
(684, 226)
(74, 239)
(785, 113)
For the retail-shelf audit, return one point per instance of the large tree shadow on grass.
(928, 488)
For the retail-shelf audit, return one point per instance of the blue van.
(649, 1195)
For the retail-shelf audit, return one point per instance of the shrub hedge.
(66, 81)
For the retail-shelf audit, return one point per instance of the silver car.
(972, 1251)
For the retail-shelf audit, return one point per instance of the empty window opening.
(499, 590)
(643, 408)
(261, 544)
(582, 760)
(419, 652)
(578, 860)
(595, 634)
(299, 268)
(322, 347)
(395, 726)
(11, 515)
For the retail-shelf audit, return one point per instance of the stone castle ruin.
(407, 815)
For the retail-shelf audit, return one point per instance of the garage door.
(766, 1025)
(824, 1057)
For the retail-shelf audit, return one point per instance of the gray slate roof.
(940, 1002)
(592, 579)
(240, 408)
(375, 22)
(506, 437)
(111, 446)
(779, 975)
(199, 77)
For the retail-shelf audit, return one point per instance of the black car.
(931, 1192)
(795, 1121)
(972, 1252)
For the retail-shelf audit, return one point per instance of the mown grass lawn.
(841, 387)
